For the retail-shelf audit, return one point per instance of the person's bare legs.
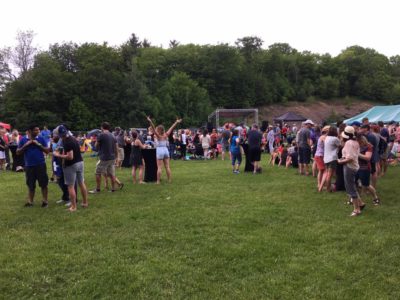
(84, 194)
(356, 205)
(159, 170)
(45, 192)
(314, 169)
(307, 169)
(328, 179)
(141, 169)
(168, 169)
(72, 197)
(134, 174)
(321, 179)
(288, 161)
(256, 167)
(31, 196)
(114, 180)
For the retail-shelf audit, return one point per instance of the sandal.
(376, 201)
(84, 205)
(72, 209)
(355, 214)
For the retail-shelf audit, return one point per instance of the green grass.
(209, 234)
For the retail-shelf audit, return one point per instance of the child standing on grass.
(235, 151)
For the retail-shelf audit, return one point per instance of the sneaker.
(111, 191)
(377, 202)
(28, 204)
(61, 201)
(95, 191)
(45, 204)
(68, 204)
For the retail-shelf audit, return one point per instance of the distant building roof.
(290, 117)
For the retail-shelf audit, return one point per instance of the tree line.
(84, 84)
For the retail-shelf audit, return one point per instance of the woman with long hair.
(331, 147)
(319, 157)
(162, 152)
(136, 158)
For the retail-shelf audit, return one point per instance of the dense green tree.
(83, 85)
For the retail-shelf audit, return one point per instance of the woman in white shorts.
(162, 152)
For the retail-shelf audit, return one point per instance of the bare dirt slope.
(318, 111)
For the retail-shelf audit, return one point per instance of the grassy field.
(209, 234)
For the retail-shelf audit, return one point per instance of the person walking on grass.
(73, 167)
(350, 152)
(304, 142)
(162, 152)
(235, 151)
(34, 147)
(364, 171)
(106, 146)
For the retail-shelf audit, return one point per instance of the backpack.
(382, 146)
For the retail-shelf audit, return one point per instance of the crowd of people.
(343, 157)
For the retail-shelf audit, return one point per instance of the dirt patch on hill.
(318, 111)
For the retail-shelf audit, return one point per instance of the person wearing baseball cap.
(349, 160)
(73, 167)
(356, 125)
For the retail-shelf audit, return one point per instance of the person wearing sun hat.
(349, 160)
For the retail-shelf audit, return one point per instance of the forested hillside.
(82, 85)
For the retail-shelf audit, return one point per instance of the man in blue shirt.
(46, 134)
(34, 147)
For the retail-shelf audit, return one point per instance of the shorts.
(364, 176)
(74, 174)
(373, 168)
(106, 167)
(385, 155)
(225, 146)
(38, 173)
(236, 157)
(2, 155)
(162, 153)
(254, 154)
(331, 165)
(320, 162)
(121, 154)
(304, 155)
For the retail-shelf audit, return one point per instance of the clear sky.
(320, 26)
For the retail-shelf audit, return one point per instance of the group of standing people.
(356, 154)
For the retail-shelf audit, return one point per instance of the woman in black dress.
(137, 157)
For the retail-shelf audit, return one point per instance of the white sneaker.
(60, 201)
(68, 204)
